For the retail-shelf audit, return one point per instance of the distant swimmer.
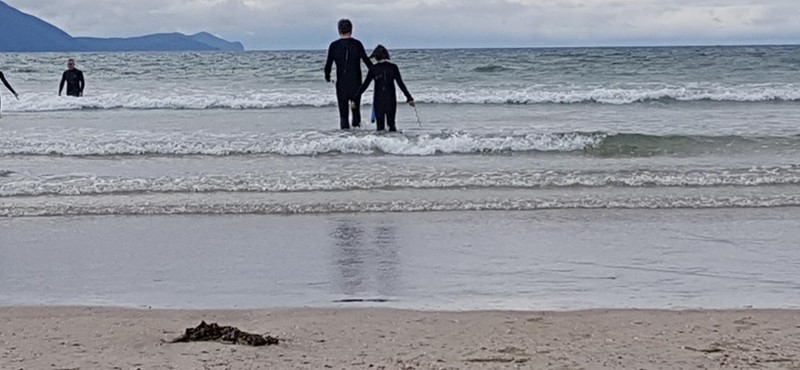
(347, 53)
(384, 100)
(74, 79)
(8, 86)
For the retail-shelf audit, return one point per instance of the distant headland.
(21, 32)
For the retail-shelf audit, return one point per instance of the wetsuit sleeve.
(367, 81)
(364, 56)
(63, 80)
(329, 64)
(402, 85)
(81, 82)
(8, 86)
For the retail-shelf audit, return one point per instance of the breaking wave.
(72, 185)
(84, 142)
(88, 142)
(255, 100)
(50, 209)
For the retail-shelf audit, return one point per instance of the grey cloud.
(293, 24)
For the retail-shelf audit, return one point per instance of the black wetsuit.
(74, 80)
(8, 85)
(348, 54)
(384, 99)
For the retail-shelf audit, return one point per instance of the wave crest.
(71, 185)
(89, 142)
(315, 97)
(302, 143)
(254, 207)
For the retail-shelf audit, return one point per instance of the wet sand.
(450, 261)
(368, 338)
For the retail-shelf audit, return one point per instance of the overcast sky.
(311, 24)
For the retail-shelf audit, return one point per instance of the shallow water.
(557, 259)
(644, 153)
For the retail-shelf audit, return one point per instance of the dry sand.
(112, 338)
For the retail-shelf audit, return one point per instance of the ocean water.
(701, 132)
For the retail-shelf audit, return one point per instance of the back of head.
(380, 53)
(345, 26)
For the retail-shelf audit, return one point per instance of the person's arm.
(364, 56)
(402, 85)
(81, 83)
(367, 81)
(61, 85)
(8, 85)
(329, 64)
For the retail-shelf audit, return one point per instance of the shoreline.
(442, 261)
(345, 338)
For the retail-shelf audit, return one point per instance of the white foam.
(48, 209)
(617, 95)
(319, 97)
(87, 142)
(82, 184)
(39, 102)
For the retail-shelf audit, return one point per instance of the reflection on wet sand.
(366, 263)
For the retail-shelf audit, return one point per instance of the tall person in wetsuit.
(347, 53)
(384, 100)
(8, 86)
(73, 77)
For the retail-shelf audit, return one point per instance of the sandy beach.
(367, 338)
(541, 209)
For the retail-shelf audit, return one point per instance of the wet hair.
(380, 53)
(345, 26)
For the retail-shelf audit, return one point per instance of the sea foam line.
(93, 142)
(257, 100)
(307, 143)
(71, 185)
(51, 209)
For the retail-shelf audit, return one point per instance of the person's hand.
(412, 103)
(16, 96)
(327, 78)
(80, 93)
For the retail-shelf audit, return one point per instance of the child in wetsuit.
(384, 100)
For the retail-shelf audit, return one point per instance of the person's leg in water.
(356, 109)
(391, 112)
(343, 99)
(380, 116)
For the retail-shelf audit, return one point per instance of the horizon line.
(600, 46)
(609, 46)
